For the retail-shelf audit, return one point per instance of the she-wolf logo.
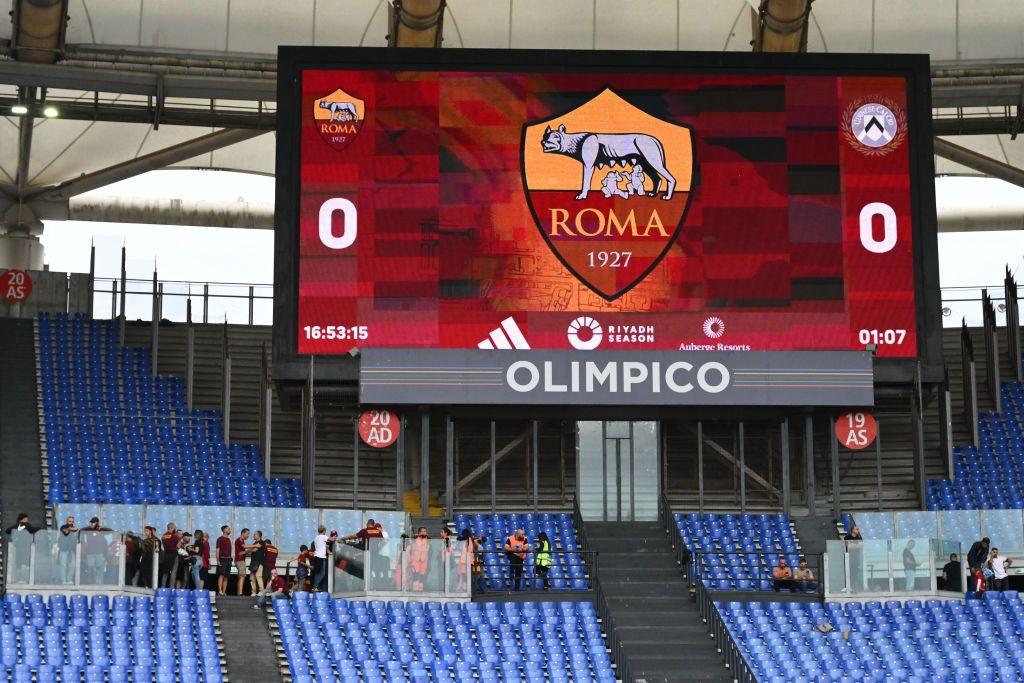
(338, 118)
(608, 186)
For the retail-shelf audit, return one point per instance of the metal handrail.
(725, 643)
(682, 553)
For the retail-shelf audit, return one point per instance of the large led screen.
(604, 208)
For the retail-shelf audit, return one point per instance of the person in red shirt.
(168, 556)
(240, 559)
(201, 568)
(224, 559)
(275, 589)
(303, 564)
(269, 560)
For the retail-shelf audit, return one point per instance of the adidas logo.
(508, 336)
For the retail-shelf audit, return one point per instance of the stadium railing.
(875, 569)
(90, 561)
(725, 643)
(402, 568)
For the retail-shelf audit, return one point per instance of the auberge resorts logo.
(608, 185)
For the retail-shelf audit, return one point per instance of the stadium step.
(19, 425)
(249, 650)
(662, 635)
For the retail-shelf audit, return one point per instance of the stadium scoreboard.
(612, 201)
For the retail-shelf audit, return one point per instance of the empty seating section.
(114, 434)
(340, 640)
(168, 637)
(976, 640)
(738, 552)
(567, 571)
(992, 475)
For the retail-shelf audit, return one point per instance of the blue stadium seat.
(977, 640)
(738, 551)
(340, 640)
(114, 434)
(991, 476)
(567, 571)
(170, 636)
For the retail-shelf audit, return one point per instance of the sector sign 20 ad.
(598, 208)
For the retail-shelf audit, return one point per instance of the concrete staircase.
(249, 649)
(658, 625)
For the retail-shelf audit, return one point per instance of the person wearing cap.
(94, 552)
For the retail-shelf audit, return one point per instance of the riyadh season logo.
(585, 333)
(714, 327)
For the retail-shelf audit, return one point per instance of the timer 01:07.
(887, 337)
(336, 332)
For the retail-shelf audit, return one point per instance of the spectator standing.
(240, 544)
(185, 561)
(270, 553)
(782, 575)
(224, 559)
(303, 564)
(201, 567)
(67, 548)
(516, 549)
(951, 575)
(910, 564)
(855, 549)
(20, 534)
(168, 555)
(542, 559)
(976, 557)
(276, 588)
(419, 559)
(803, 577)
(371, 538)
(320, 559)
(94, 553)
(150, 555)
(999, 564)
(256, 551)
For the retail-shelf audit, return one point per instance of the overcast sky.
(247, 256)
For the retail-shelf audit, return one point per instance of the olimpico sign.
(511, 377)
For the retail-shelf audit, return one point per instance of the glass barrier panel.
(916, 524)
(99, 554)
(385, 559)
(1004, 530)
(158, 516)
(121, 518)
(836, 578)
(345, 522)
(82, 512)
(963, 526)
(458, 570)
(949, 571)
(19, 557)
(875, 525)
(869, 566)
(296, 526)
(423, 565)
(67, 558)
(911, 565)
(46, 570)
(392, 523)
(257, 519)
(210, 518)
(349, 570)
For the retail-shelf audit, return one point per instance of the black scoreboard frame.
(290, 367)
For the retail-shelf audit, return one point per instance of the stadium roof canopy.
(138, 81)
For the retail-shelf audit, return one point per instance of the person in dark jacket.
(976, 557)
(855, 548)
(20, 533)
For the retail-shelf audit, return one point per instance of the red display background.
(447, 248)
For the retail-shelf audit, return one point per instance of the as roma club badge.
(608, 185)
(339, 118)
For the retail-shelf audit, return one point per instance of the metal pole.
(878, 464)
(206, 303)
(809, 482)
(425, 464)
(632, 475)
(355, 462)
(190, 347)
(113, 304)
(604, 471)
(400, 468)
(92, 279)
(251, 288)
(124, 288)
(449, 467)
(267, 403)
(743, 470)
(835, 472)
(155, 324)
(784, 458)
(494, 474)
(700, 467)
(227, 399)
(536, 460)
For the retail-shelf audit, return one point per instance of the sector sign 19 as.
(581, 208)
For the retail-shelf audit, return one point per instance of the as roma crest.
(338, 117)
(608, 185)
